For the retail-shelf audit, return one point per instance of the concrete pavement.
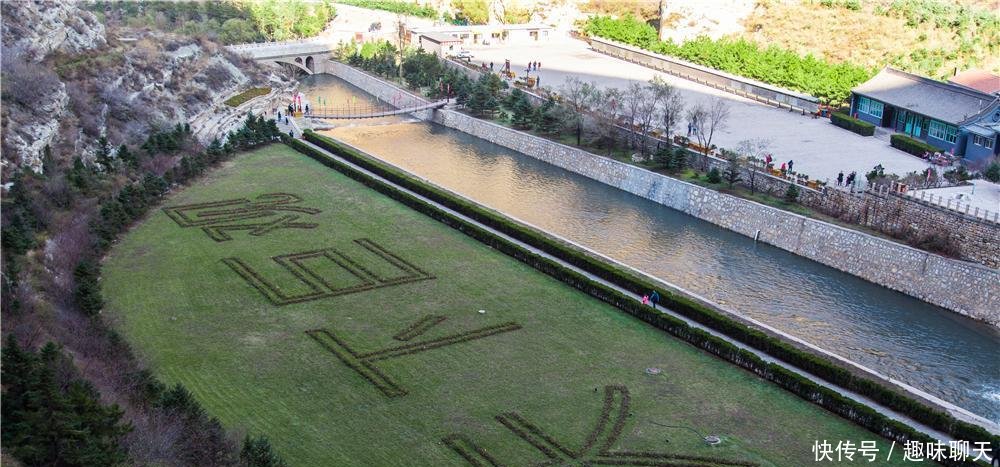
(818, 148)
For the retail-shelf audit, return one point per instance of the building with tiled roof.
(955, 118)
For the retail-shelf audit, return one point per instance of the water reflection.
(945, 354)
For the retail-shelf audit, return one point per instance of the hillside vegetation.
(775, 65)
(230, 22)
(927, 37)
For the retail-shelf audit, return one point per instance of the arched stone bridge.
(306, 55)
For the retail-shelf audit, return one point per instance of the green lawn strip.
(244, 96)
(817, 365)
(251, 364)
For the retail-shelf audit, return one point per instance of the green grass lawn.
(408, 319)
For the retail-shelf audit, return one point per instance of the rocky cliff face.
(68, 81)
(43, 27)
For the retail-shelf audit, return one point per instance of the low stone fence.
(969, 289)
(739, 85)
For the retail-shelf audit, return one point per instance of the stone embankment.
(966, 288)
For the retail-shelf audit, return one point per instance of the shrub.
(713, 176)
(848, 122)
(992, 173)
(257, 452)
(773, 65)
(792, 193)
(395, 6)
(691, 309)
(913, 146)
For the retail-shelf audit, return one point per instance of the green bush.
(848, 122)
(913, 146)
(395, 6)
(992, 173)
(713, 176)
(681, 304)
(244, 96)
(792, 193)
(773, 65)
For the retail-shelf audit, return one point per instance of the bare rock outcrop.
(43, 27)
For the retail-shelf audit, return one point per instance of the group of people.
(841, 181)
(534, 66)
(786, 167)
(651, 299)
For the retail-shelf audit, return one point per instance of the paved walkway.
(982, 194)
(818, 148)
(956, 411)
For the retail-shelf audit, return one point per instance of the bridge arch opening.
(309, 64)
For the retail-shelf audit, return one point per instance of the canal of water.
(937, 351)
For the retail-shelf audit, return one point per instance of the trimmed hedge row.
(913, 146)
(848, 122)
(681, 304)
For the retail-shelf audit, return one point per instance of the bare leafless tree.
(633, 99)
(612, 107)
(580, 97)
(669, 104)
(706, 120)
(753, 150)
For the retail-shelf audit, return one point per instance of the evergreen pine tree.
(18, 236)
(45, 424)
(733, 171)
(80, 176)
(104, 155)
(129, 158)
(257, 452)
(88, 289)
(792, 193)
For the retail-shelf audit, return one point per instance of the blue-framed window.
(982, 141)
(870, 107)
(942, 131)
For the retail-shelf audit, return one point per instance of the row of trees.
(232, 22)
(51, 416)
(831, 82)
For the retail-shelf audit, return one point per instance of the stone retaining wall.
(739, 85)
(970, 289)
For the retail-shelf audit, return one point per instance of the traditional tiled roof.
(980, 80)
(440, 38)
(946, 102)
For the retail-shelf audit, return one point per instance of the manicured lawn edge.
(829, 399)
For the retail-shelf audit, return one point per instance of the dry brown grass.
(861, 37)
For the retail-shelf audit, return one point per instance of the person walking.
(790, 163)
(645, 299)
(491, 66)
(840, 178)
(784, 168)
(768, 159)
(654, 298)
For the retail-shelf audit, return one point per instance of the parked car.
(464, 55)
